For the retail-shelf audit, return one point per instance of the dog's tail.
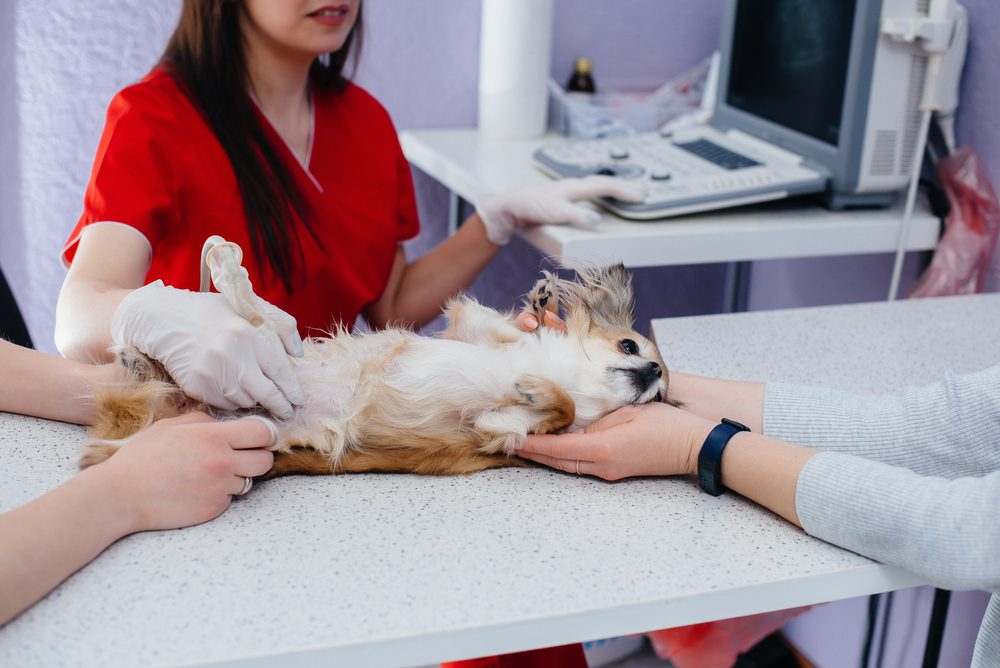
(126, 409)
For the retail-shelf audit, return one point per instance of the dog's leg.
(471, 322)
(544, 296)
(300, 459)
(539, 406)
(430, 461)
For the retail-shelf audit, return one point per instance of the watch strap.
(710, 456)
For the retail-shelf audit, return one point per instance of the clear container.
(617, 114)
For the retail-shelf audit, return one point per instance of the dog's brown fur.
(390, 442)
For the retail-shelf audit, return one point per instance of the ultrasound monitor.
(818, 78)
(789, 63)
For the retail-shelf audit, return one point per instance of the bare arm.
(47, 386)
(110, 262)
(48, 539)
(417, 291)
(715, 398)
(180, 472)
(657, 439)
(764, 470)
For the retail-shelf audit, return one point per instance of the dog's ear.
(602, 297)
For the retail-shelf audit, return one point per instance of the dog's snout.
(651, 373)
(647, 375)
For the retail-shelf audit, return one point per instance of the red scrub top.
(160, 170)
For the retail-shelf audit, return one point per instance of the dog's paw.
(139, 366)
(553, 409)
(544, 296)
(536, 406)
(95, 453)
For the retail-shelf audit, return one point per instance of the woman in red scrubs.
(249, 129)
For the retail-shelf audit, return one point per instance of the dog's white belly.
(414, 382)
(334, 374)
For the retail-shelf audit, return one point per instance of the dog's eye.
(628, 346)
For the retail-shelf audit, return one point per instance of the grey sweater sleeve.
(911, 479)
(950, 429)
(944, 530)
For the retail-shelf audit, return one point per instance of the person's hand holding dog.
(179, 472)
(186, 470)
(652, 439)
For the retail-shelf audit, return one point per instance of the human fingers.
(195, 417)
(554, 321)
(568, 212)
(271, 425)
(206, 388)
(623, 415)
(285, 327)
(237, 395)
(594, 186)
(246, 433)
(267, 394)
(252, 463)
(526, 321)
(575, 466)
(576, 445)
(276, 365)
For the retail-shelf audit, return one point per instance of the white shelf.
(472, 166)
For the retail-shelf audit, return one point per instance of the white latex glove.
(213, 354)
(552, 202)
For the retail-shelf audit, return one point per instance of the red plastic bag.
(717, 644)
(961, 262)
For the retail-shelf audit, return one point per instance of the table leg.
(737, 287)
(455, 206)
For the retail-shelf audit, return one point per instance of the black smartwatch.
(710, 457)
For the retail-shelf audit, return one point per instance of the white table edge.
(630, 619)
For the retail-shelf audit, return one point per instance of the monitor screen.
(789, 63)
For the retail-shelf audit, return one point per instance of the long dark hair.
(205, 53)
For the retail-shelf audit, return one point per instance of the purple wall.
(422, 63)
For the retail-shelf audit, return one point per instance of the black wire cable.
(935, 629)
(866, 651)
(883, 634)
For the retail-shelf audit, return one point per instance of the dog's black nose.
(646, 376)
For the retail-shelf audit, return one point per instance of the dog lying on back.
(458, 403)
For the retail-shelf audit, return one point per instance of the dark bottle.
(581, 81)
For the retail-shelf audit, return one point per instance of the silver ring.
(578, 467)
(247, 484)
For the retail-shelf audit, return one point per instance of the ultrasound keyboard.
(683, 174)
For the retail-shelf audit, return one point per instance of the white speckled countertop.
(397, 570)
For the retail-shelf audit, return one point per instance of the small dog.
(395, 401)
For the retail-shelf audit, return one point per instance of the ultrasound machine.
(819, 97)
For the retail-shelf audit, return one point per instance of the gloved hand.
(213, 354)
(552, 202)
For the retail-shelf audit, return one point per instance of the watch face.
(735, 424)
